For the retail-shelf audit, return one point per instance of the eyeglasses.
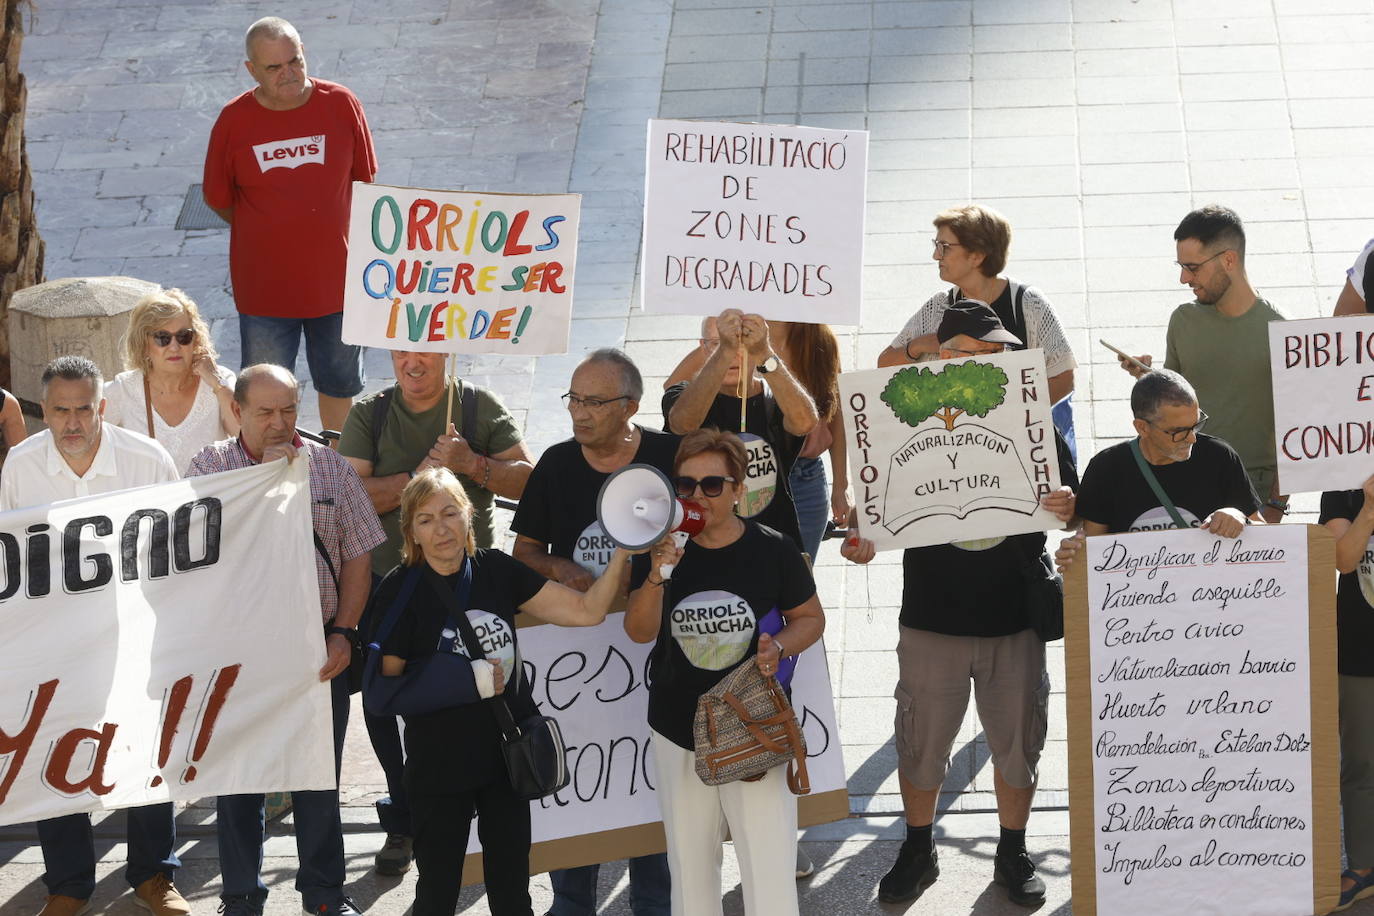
(942, 248)
(1193, 268)
(710, 486)
(571, 400)
(183, 337)
(1183, 432)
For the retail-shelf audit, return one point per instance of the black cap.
(977, 320)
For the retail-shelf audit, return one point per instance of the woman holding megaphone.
(445, 595)
(736, 593)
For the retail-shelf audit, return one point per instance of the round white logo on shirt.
(1365, 573)
(1158, 519)
(593, 549)
(760, 476)
(713, 628)
(496, 636)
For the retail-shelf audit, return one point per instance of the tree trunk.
(21, 247)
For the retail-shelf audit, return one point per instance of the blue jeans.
(336, 368)
(319, 831)
(69, 849)
(1063, 421)
(811, 495)
(574, 889)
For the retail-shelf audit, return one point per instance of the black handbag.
(536, 758)
(429, 684)
(1044, 597)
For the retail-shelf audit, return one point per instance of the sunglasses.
(183, 337)
(710, 486)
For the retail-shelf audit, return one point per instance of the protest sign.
(594, 681)
(155, 651)
(1202, 723)
(981, 456)
(766, 218)
(1323, 377)
(460, 272)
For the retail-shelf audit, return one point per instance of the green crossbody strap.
(1150, 478)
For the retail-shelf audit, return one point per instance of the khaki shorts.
(1010, 686)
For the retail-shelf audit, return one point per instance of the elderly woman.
(454, 765)
(761, 581)
(172, 390)
(970, 246)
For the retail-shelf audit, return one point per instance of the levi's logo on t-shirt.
(290, 153)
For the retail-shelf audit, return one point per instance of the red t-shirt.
(287, 175)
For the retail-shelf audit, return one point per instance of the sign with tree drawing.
(954, 450)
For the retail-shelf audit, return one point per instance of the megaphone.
(638, 505)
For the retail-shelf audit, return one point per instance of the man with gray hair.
(279, 169)
(557, 534)
(345, 530)
(79, 455)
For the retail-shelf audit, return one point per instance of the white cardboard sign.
(767, 218)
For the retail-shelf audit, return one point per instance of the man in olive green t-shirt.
(416, 435)
(1220, 344)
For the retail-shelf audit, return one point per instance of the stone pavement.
(1093, 124)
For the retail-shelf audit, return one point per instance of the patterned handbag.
(745, 727)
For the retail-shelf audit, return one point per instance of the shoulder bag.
(1153, 481)
(1044, 596)
(744, 727)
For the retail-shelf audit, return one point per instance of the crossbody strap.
(393, 613)
(148, 404)
(324, 555)
(1153, 481)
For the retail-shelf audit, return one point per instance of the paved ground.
(1093, 124)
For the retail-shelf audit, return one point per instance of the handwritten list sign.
(768, 218)
(1195, 706)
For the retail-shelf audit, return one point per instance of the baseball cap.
(976, 319)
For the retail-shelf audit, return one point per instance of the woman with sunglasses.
(738, 593)
(172, 390)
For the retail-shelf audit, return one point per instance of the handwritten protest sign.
(122, 685)
(1323, 376)
(1202, 723)
(594, 681)
(762, 217)
(458, 272)
(950, 450)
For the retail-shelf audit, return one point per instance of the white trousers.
(760, 816)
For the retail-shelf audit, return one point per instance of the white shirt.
(125, 406)
(36, 474)
(1356, 271)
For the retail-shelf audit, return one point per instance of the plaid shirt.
(341, 513)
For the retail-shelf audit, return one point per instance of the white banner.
(767, 218)
(594, 681)
(155, 648)
(948, 450)
(460, 272)
(1201, 721)
(1323, 376)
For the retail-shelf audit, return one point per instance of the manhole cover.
(196, 214)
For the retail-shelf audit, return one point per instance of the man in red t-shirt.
(279, 170)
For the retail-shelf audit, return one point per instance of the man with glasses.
(744, 388)
(1220, 343)
(558, 535)
(391, 436)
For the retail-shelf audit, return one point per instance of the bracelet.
(782, 653)
(906, 348)
(1276, 504)
(651, 582)
(486, 472)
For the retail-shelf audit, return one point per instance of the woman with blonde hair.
(454, 767)
(172, 389)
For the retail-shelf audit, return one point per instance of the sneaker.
(344, 906)
(394, 858)
(159, 897)
(805, 867)
(239, 905)
(910, 875)
(62, 905)
(1017, 874)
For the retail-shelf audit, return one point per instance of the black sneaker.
(344, 906)
(910, 875)
(1017, 874)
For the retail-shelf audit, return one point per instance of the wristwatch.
(771, 364)
(1277, 504)
(348, 633)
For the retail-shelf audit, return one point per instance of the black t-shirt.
(712, 608)
(1354, 594)
(500, 584)
(1115, 494)
(977, 587)
(772, 452)
(558, 506)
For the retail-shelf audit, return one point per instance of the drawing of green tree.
(916, 394)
